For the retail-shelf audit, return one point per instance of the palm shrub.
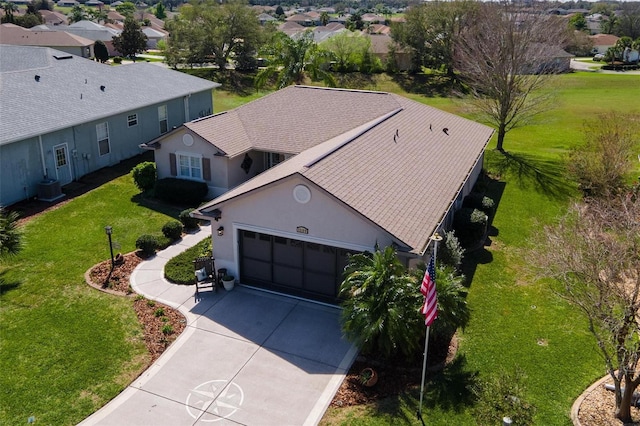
(381, 307)
(10, 234)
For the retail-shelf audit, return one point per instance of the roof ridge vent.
(60, 57)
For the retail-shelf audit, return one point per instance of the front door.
(63, 168)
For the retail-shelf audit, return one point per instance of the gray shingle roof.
(68, 92)
(396, 167)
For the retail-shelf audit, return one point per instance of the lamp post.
(109, 230)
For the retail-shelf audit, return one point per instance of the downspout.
(44, 166)
(186, 108)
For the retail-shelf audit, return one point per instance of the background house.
(306, 175)
(62, 116)
(602, 42)
(66, 42)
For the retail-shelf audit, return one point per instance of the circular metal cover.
(301, 194)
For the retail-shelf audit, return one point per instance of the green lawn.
(67, 349)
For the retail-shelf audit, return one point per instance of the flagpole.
(435, 238)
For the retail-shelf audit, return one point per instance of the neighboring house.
(264, 18)
(114, 16)
(92, 31)
(306, 175)
(303, 19)
(372, 18)
(291, 28)
(381, 47)
(67, 3)
(379, 29)
(153, 37)
(323, 33)
(62, 116)
(558, 61)
(69, 43)
(53, 18)
(594, 22)
(602, 42)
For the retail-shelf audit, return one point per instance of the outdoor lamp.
(109, 230)
(221, 231)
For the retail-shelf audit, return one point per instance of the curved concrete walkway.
(246, 357)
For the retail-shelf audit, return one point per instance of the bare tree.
(594, 254)
(505, 57)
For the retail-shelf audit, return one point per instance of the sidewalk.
(246, 357)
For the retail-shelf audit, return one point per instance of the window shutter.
(172, 164)
(206, 168)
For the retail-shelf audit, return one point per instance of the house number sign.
(302, 230)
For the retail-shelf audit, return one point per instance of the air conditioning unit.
(49, 190)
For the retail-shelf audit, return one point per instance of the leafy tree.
(324, 18)
(279, 11)
(217, 31)
(10, 234)
(126, 9)
(42, 5)
(381, 309)
(431, 31)
(97, 15)
(132, 40)
(78, 13)
(602, 164)
(160, 12)
(292, 59)
(592, 253)
(628, 22)
(355, 22)
(579, 43)
(101, 52)
(29, 19)
(578, 22)
(608, 25)
(504, 58)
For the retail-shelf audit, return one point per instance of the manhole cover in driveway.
(224, 405)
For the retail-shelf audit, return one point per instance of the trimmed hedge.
(172, 230)
(470, 225)
(181, 191)
(189, 223)
(144, 175)
(180, 269)
(147, 244)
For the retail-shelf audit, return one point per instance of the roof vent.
(37, 77)
(63, 57)
(446, 131)
(102, 88)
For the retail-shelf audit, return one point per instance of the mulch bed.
(162, 324)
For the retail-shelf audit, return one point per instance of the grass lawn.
(66, 348)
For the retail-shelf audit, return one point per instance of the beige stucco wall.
(273, 210)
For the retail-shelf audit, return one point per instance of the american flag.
(428, 289)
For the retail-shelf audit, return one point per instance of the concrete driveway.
(246, 357)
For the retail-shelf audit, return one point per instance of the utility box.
(49, 190)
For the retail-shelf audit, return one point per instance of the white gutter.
(44, 166)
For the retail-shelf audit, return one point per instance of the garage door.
(301, 268)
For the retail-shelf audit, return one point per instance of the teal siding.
(21, 163)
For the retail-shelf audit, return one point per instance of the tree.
(355, 22)
(593, 256)
(578, 22)
(126, 9)
(628, 22)
(601, 165)
(504, 59)
(78, 13)
(42, 5)
(579, 43)
(132, 40)
(221, 30)
(279, 12)
(10, 234)
(9, 9)
(292, 59)
(160, 12)
(324, 18)
(101, 52)
(431, 31)
(381, 310)
(349, 51)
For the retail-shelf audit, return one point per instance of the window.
(271, 159)
(61, 157)
(189, 166)
(132, 120)
(163, 118)
(102, 131)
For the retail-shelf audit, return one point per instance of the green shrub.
(147, 244)
(180, 270)
(158, 312)
(181, 191)
(470, 225)
(450, 252)
(167, 329)
(144, 175)
(151, 303)
(172, 230)
(476, 200)
(188, 222)
(117, 60)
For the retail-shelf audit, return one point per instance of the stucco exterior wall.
(273, 210)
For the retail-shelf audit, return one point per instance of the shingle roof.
(393, 164)
(24, 37)
(68, 91)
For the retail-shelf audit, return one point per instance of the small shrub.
(117, 60)
(151, 303)
(167, 329)
(139, 297)
(162, 242)
(147, 244)
(181, 191)
(158, 312)
(188, 222)
(172, 230)
(451, 252)
(144, 175)
(476, 200)
(470, 225)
